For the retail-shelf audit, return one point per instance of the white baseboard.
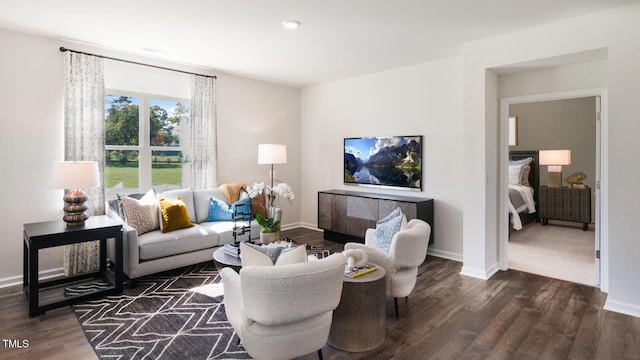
(445, 254)
(42, 275)
(310, 226)
(622, 307)
(480, 274)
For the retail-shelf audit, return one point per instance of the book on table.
(360, 270)
(232, 249)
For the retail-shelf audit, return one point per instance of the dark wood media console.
(346, 215)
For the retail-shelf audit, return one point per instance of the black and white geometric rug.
(173, 315)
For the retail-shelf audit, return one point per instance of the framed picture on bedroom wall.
(513, 131)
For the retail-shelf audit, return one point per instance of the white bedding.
(528, 207)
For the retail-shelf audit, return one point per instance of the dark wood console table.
(346, 215)
(42, 296)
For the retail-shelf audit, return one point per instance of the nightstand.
(564, 203)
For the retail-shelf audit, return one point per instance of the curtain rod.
(63, 49)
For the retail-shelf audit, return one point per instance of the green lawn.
(128, 174)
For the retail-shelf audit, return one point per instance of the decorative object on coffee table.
(74, 176)
(355, 258)
(270, 231)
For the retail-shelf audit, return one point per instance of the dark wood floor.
(514, 315)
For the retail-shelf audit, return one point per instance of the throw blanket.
(232, 191)
(520, 200)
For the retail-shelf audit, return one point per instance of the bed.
(524, 181)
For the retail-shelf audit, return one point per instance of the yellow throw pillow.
(173, 215)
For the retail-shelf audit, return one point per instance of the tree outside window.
(133, 165)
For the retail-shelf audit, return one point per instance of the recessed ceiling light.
(291, 24)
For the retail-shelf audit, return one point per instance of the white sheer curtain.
(84, 140)
(202, 162)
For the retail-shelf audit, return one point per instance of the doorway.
(599, 243)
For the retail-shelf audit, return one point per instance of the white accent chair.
(407, 252)
(281, 312)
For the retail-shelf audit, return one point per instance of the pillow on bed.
(515, 174)
(524, 180)
(524, 162)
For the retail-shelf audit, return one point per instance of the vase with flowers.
(270, 222)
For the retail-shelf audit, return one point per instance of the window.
(146, 137)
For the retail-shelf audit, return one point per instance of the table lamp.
(555, 159)
(74, 176)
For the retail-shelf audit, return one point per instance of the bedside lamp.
(555, 159)
(74, 176)
(272, 154)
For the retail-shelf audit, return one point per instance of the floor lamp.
(272, 154)
(555, 159)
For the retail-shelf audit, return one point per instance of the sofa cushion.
(187, 197)
(173, 215)
(155, 244)
(201, 202)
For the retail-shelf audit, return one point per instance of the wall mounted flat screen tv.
(384, 161)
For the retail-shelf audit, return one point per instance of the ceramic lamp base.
(75, 207)
(555, 179)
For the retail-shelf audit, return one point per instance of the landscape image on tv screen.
(384, 161)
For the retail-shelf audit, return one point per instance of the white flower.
(285, 191)
(281, 189)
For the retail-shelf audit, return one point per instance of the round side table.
(358, 321)
(222, 259)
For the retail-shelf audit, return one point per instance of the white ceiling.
(337, 39)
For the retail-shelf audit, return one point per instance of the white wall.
(615, 30)
(426, 100)
(31, 139)
(31, 87)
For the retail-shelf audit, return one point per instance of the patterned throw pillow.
(173, 215)
(142, 214)
(243, 206)
(386, 229)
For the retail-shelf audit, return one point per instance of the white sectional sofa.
(156, 251)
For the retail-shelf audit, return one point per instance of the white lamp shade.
(75, 175)
(272, 154)
(555, 157)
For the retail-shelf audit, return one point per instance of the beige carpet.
(558, 251)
